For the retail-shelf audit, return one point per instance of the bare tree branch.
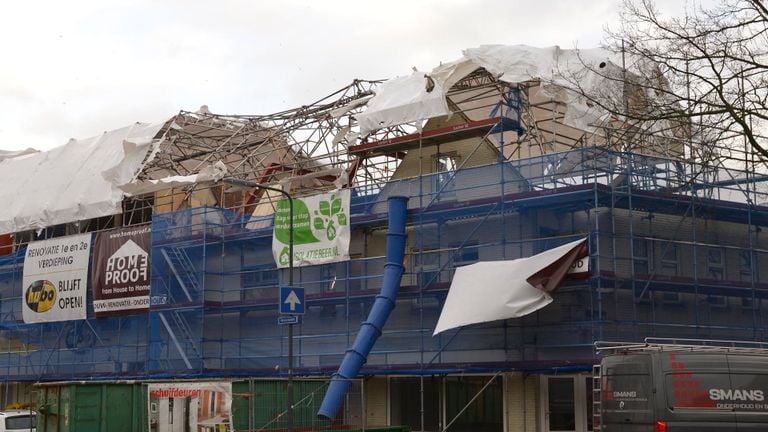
(705, 72)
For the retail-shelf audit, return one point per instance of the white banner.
(55, 280)
(320, 229)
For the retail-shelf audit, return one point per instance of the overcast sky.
(76, 68)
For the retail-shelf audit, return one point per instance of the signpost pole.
(248, 183)
(290, 326)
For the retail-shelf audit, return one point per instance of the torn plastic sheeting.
(76, 181)
(211, 173)
(340, 136)
(134, 157)
(342, 110)
(13, 154)
(556, 68)
(403, 100)
(495, 290)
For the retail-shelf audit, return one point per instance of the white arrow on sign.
(292, 299)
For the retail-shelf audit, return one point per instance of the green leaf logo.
(329, 214)
(319, 225)
(325, 208)
(302, 231)
(335, 205)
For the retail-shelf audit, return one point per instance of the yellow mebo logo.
(41, 296)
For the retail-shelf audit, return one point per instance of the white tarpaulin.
(401, 100)
(55, 279)
(79, 180)
(495, 290)
(210, 173)
(10, 154)
(405, 99)
(557, 69)
(321, 231)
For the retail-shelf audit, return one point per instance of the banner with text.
(202, 406)
(320, 229)
(55, 279)
(121, 271)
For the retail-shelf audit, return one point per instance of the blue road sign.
(292, 300)
(288, 319)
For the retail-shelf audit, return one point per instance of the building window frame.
(715, 263)
(747, 265)
(669, 258)
(641, 257)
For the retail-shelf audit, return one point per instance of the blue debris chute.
(370, 329)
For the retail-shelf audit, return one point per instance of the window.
(259, 277)
(405, 398)
(487, 410)
(549, 238)
(715, 264)
(21, 239)
(567, 403)
(746, 264)
(561, 404)
(750, 303)
(671, 298)
(138, 210)
(98, 224)
(212, 402)
(445, 165)
(467, 254)
(446, 162)
(427, 266)
(60, 230)
(716, 271)
(427, 257)
(20, 422)
(640, 258)
(669, 259)
(717, 301)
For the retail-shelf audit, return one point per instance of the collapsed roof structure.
(677, 244)
(510, 101)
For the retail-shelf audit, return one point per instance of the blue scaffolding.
(676, 250)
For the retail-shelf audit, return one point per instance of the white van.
(18, 420)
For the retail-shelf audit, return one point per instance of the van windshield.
(20, 422)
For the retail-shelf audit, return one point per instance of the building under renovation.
(498, 161)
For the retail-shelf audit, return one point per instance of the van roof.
(691, 345)
(11, 413)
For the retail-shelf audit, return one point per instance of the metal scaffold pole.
(251, 184)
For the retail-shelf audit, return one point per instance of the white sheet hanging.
(495, 290)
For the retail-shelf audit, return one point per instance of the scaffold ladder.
(183, 269)
(596, 399)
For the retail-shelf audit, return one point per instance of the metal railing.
(656, 344)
